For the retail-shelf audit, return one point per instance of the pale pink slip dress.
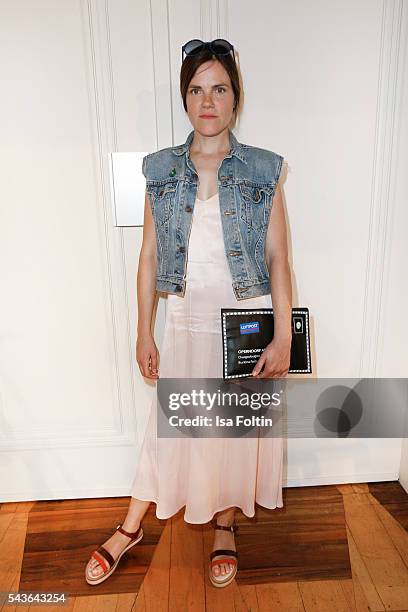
(206, 475)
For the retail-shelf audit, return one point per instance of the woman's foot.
(114, 545)
(223, 540)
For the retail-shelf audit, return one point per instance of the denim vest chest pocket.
(163, 195)
(255, 202)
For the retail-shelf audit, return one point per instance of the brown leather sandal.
(105, 559)
(227, 556)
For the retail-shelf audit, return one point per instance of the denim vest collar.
(236, 148)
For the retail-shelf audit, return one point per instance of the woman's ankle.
(225, 519)
(131, 525)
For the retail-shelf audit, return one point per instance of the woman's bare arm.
(276, 257)
(146, 350)
(275, 359)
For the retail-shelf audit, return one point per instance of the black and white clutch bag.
(246, 332)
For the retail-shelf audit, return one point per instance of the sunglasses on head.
(219, 46)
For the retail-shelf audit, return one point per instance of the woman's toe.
(92, 569)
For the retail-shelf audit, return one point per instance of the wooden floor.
(330, 548)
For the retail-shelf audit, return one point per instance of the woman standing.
(232, 252)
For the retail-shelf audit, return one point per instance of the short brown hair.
(192, 62)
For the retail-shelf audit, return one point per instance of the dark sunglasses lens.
(221, 46)
(193, 47)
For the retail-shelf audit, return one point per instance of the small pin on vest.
(172, 172)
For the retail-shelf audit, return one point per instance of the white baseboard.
(404, 484)
(333, 479)
(16, 495)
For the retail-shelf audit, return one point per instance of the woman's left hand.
(275, 358)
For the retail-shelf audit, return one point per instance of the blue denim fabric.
(247, 179)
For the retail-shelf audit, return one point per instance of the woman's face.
(210, 98)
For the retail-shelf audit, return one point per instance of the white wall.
(392, 357)
(323, 86)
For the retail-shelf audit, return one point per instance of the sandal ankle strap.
(128, 533)
(233, 527)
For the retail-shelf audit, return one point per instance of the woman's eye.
(219, 90)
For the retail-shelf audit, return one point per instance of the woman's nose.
(208, 100)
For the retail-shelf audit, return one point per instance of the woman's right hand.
(147, 356)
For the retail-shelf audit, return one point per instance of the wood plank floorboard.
(304, 540)
(62, 535)
(393, 498)
(332, 548)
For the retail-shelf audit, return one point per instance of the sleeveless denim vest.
(247, 179)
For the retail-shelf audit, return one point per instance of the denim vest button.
(182, 249)
(178, 288)
(188, 209)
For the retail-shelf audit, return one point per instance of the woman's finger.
(152, 373)
(153, 363)
(258, 365)
(144, 367)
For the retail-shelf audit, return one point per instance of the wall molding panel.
(389, 86)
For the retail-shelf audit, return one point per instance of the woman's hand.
(147, 356)
(275, 358)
